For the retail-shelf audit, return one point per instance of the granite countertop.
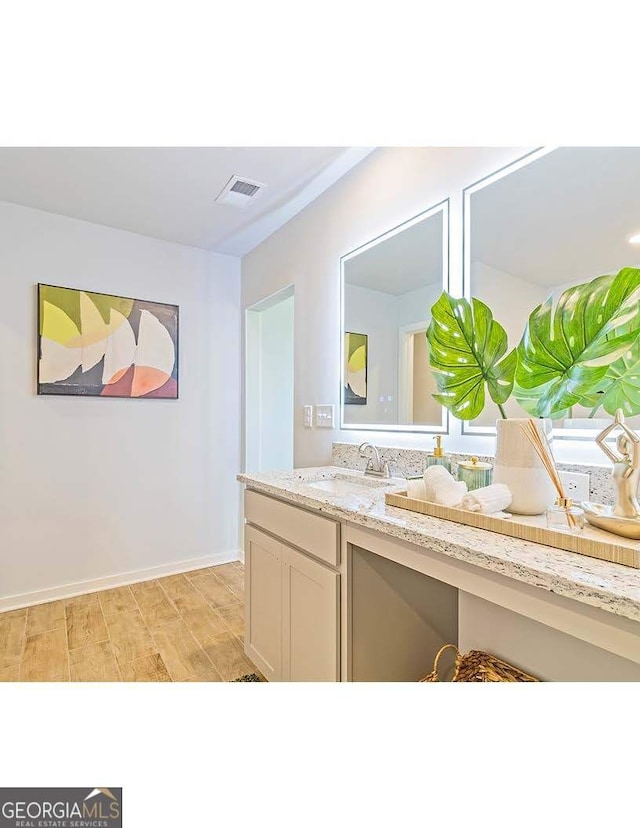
(611, 587)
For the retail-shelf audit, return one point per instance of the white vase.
(519, 467)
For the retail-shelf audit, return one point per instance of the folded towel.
(450, 494)
(441, 487)
(434, 477)
(416, 489)
(490, 499)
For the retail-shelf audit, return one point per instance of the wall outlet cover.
(325, 416)
(308, 416)
(576, 486)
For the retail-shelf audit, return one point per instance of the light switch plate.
(324, 416)
(576, 486)
(308, 416)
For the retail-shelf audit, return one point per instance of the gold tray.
(595, 543)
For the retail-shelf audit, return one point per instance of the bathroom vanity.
(341, 587)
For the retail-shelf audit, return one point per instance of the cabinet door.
(310, 622)
(263, 603)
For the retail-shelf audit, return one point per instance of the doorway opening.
(269, 414)
(417, 384)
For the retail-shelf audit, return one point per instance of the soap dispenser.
(438, 457)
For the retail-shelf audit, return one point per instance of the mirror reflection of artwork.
(554, 220)
(355, 369)
(99, 345)
(388, 287)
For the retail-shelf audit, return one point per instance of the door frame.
(405, 369)
(252, 437)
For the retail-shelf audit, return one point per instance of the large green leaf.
(466, 350)
(529, 399)
(566, 350)
(621, 385)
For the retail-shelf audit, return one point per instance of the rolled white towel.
(416, 489)
(490, 499)
(450, 494)
(434, 477)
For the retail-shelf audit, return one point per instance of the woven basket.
(478, 666)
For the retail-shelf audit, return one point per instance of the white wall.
(92, 488)
(387, 188)
(511, 300)
(415, 306)
(381, 316)
(374, 313)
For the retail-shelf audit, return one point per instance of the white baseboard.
(43, 596)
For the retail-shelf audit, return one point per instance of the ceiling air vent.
(239, 192)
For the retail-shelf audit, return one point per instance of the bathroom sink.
(342, 485)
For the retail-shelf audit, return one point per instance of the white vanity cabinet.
(352, 590)
(292, 591)
(310, 604)
(263, 602)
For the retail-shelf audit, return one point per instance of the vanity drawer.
(316, 535)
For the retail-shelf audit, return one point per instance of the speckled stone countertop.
(407, 462)
(608, 586)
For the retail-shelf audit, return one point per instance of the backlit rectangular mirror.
(554, 219)
(388, 288)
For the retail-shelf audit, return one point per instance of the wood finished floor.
(181, 628)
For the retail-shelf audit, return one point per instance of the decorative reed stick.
(543, 450)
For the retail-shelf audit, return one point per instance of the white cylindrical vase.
(519, 467)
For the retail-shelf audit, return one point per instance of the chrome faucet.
(375, 466)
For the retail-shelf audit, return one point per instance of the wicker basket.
(478, 666)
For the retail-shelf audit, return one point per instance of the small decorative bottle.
(564, 516)
(438, 458)
(474, 473)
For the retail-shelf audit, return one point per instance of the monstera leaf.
(621, 385)
(529, 399)
(467, 350)
(566, 351)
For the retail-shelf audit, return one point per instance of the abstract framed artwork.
(355, 369)
(99, 345)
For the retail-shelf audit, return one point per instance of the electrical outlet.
(324, 416)
(576, 486)
(308, 416)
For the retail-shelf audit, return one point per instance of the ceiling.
(563, 218)
(407, 261)
(169, 192)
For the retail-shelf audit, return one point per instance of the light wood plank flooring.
(181, 628)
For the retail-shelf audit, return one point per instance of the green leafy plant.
(582, 350)
(467, 350)
(567, 351)
(621, 386)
